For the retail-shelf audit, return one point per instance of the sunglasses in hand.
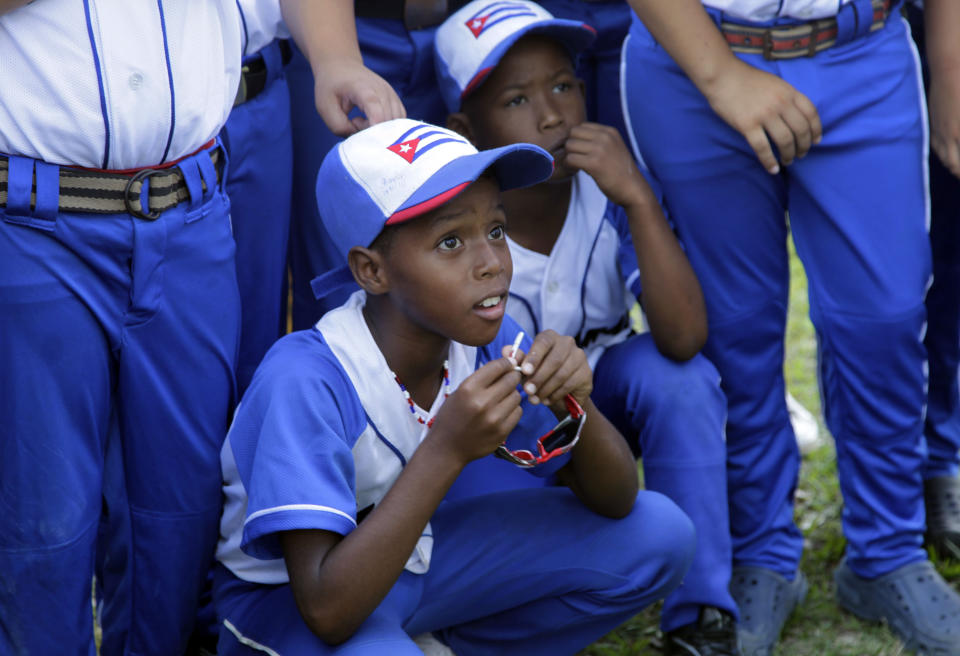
(559, 440)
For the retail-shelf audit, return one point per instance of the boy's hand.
(555, 367)
(477, 418)
(599, 151)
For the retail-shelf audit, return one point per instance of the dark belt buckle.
(815, 29)
(768, 44)
(131, 201)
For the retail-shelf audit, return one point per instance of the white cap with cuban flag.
(471, 42)
(394, 171)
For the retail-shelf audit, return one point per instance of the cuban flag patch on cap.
(496, 12)
(419, 140)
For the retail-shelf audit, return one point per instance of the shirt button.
(552, 286)
(136, 81)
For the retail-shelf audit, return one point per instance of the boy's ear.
(459, 122)
(367, 267)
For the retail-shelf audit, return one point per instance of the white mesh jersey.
(765, 10)
(261, 22)
(116, 84)
(587, 284)
(322, 434)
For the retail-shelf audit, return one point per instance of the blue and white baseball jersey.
(324, 431)
(114, 84)
(590, 280)
(763, 10)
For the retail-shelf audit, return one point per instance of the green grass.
(818, 627)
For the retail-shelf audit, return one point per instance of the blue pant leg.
(857, 207)
(405, 60)
(258, 138)
(729, 214)
(942, 339)
(534, 571)
(673, 415)
(56, 306)
(176, 388)
(256, 618)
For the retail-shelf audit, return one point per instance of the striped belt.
(102, 192)
(791, 41)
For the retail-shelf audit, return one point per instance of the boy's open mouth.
(490, 301)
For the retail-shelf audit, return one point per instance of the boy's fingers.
(781, 135)
(558, 383)
(538, 350)
(494, 372)
(811, 114)
(758, 141)
(801, 128)
(549, 364)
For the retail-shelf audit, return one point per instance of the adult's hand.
(325, 31)
(767, 111)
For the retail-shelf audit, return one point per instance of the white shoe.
(431, 646)
(804, 426)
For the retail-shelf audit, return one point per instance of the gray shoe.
(766, 600)
(941, 496)
(914, 600)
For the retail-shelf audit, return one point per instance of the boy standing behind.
(584, 244)
(334, 539)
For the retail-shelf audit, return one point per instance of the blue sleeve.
(292, 439)
(536, 419)
(626, 254)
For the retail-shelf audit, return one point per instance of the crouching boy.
(587, 244)
(334, 537)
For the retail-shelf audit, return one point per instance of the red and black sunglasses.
(559, 440)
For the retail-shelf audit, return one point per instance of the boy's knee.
(659, 541)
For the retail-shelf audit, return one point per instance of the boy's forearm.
(685, 30)
(602, 472)
(345, 587)
(941, 24)
(7, 6)
(322, 28)
(672, 298)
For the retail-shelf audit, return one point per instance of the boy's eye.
(516, 100)
(560, 87)
(498, 232)
(448, 243)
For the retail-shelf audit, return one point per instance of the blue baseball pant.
(257, 135)
(858, 216)
(673, 414)
(403, 58)
(528, 572)
(599, 65)
(119, 338)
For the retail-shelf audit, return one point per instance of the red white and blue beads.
(413, 406)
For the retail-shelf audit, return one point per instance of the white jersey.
(587, 284)
(765, 10)
(323, 432)
(262, 23)
(116, 84)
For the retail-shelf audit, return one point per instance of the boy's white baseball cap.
(395, 171)
(471, 42)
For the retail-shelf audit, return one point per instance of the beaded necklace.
(413, 407)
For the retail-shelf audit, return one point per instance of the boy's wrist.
(441, 453)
